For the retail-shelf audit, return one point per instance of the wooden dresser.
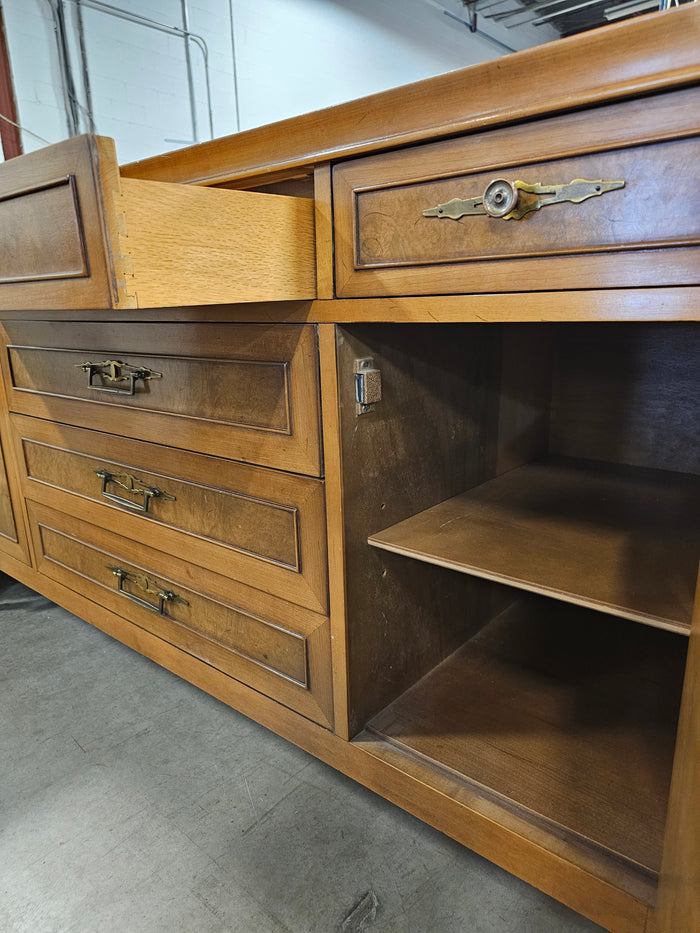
(382, 425)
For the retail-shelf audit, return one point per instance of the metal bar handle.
(142, 581)
(116, 371)
(131, 484)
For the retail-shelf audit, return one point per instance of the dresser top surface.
(639, 56)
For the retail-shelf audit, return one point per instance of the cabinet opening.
(556, 468)
(565, 722)
(593, 496)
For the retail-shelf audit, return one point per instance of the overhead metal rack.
(566, 16)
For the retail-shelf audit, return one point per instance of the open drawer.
(74, 235)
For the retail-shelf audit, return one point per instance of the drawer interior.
(75, 235)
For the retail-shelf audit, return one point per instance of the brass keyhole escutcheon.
(501, 198)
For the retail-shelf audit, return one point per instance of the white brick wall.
(292, 56)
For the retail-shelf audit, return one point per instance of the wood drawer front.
(246, 392)
(74, 235)
(274, 647)
(53, 239)
(263, 527)
(385, 245)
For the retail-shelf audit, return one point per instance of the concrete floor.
(130, 801)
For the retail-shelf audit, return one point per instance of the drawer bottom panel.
(274, 647)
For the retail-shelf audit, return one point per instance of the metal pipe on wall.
(69, 95)
(472, 27)
(84, 66)
(204, 49)
(188, 67)
(235, 72)
(139, 20)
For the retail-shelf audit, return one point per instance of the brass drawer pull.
(133, 485)
(143, 583)
(502, 198)
(116, 371)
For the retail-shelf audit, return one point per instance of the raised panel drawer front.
(74, 235)
(277, 648)
(245, 392)
(578, 201)
(263, 527)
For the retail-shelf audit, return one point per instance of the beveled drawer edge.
(550, 155)
(640, 246)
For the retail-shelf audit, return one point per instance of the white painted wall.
(291, 57)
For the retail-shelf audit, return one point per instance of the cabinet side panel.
(7, 518)
(433, 434)
(679, 891)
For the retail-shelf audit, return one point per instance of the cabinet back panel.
(628, 393)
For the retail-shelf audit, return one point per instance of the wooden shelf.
(565, 718)
(623, 540)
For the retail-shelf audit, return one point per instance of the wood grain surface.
(335, 525)
(55, 249)
(272, 646)
(622, 540)
(432, 435)
(627, 394)
(265, 528)
(545, 742)
(8, 529)
(569, 715)
(679, 894)
(247, 392)
(385, 245)
(620, 304)
(193, 245)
